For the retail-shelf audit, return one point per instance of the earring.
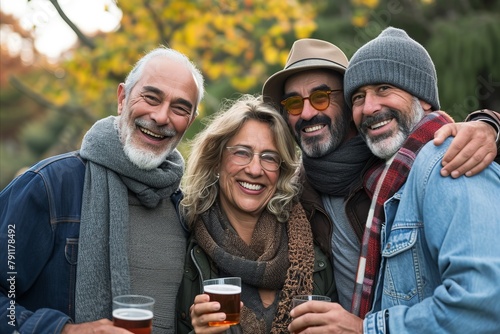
(205, 189)
(216, 179)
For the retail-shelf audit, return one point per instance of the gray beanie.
(393, 58)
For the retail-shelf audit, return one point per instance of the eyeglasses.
(242, 156)
(319, 99)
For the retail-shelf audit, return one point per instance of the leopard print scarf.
(275, 259)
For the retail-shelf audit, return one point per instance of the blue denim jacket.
(440, 270)
(40, 219)
(42, 210)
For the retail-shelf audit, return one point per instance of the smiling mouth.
(379, 124)
(151, 134)
(313, 128)
(250, 186)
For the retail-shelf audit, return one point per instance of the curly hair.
(200, 182)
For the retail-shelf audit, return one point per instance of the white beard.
(387, 147)
(143, 159)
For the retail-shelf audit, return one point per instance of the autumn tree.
(239, 43)
(232, 42)
(20, 110)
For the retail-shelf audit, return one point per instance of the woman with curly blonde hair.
(241, 206)
(200, 186)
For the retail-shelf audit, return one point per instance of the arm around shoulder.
(492, 118)
(475, 145)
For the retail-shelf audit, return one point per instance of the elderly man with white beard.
(99, 222)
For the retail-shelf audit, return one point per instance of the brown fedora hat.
(306, 54)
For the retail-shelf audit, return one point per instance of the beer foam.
(132, 314)
(222, 289)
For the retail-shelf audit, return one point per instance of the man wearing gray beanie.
(396, 59)
(429, 260)
(403, 63)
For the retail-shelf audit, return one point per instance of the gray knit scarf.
(102, 271)
(335, 172)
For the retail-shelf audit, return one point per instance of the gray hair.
(171, 54)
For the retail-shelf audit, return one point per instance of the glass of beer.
(297, 300)
(134, 313)
(227, 292)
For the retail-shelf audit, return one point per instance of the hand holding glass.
(297, 300)
(134, 313)
(227, 292)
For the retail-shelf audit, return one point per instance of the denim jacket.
(440, 269)
(40, 219)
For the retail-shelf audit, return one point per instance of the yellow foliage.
(213, 71)
(243, 84)
(219, 22)
(61, 98)
(271, 55)
(359, 21)
(245, 24)
(191, 35)
(235, 40)
(143, 31)
(304, 28)
(283, 56)
(370, 3)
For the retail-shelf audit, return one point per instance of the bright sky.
(53, 35)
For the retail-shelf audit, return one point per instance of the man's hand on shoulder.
(472, 149)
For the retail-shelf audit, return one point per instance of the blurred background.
(61, 60)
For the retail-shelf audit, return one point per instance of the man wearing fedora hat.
(309, 94)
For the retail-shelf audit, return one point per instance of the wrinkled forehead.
(172, 77)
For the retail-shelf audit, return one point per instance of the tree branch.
(65, 109)
(158, 22)
(20, 86)
(81, 36)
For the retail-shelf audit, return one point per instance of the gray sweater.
(157, 247)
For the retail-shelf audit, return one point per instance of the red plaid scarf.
(395, 176)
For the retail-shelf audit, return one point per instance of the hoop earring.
(216, 180)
